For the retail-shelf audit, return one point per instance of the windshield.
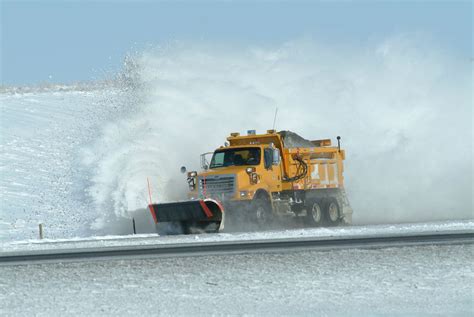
(235, 157)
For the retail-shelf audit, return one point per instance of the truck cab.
(247, 166)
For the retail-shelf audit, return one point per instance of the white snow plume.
(402, 106)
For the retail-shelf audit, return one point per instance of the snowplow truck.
(260, 178)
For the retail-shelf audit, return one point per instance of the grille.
(217, 186)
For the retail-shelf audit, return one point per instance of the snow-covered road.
(138, 240)
(407, 281)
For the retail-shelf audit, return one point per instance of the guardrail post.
(134, 228)
(40, 230)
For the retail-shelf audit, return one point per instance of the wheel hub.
(316, 213)
(261, 215)
(333, 213)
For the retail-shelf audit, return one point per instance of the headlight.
(244, 193)
(250, 170)
(192, 180)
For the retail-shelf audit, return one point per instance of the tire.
(262, 212)
(332, 212)
(314, 213)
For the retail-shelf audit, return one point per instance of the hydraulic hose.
(301, 171)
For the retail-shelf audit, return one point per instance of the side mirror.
(268, 158)
(276, 156)
(183, 169)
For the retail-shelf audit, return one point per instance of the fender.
(262, 193)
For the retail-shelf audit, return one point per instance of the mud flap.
(193, 214)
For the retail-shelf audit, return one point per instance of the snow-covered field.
(410, 281)
(76, 158)
(43, 179)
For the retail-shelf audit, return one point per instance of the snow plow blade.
(193, 216)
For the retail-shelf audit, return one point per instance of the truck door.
(271, 174)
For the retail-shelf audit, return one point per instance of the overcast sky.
(69, 41)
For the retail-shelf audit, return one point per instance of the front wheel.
(262, 212)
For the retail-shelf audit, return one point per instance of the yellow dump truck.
(260, 178)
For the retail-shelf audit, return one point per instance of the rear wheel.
(314, 213)
(332, 212)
